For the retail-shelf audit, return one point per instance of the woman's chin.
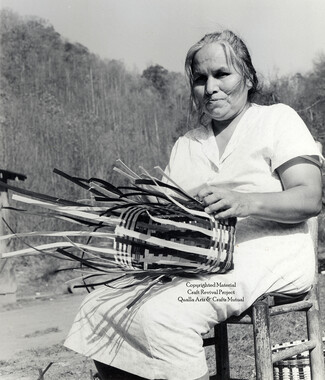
(218, 113)
(219, 116)
(224, 113)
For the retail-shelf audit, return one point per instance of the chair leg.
(222, 351)
(314, 333)
(262, 341)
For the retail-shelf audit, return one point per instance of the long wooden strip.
(43, 197)
(173, 200)
(107, 235)
(175, 184)
(124, 173)
(55, 245)
(153, 182)
(106, 185)
(67, 210)
(125, 167)
(105, 192)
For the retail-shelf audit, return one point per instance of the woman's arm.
(300, 200)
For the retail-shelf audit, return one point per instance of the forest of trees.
(64, 107)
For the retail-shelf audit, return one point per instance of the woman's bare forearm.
(290, 206)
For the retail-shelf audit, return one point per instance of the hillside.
(65, 107)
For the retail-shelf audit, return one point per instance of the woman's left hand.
(224, 203)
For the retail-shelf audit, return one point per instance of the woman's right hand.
(225, 203)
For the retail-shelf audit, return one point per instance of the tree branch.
(314, 104)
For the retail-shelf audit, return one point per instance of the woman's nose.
(211, 86)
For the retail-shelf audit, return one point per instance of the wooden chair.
(259, 315)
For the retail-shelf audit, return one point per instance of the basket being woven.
(294, 368)
(168, 241)
(149, 228)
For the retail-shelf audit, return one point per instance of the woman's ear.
(249, 84)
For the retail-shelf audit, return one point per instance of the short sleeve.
(291, 137)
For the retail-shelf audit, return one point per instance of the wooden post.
(313, 315)
(8, 285)
(222, 351)
(262, 341)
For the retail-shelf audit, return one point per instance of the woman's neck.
(219, 126)
(224, 129)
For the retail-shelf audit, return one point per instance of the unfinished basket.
(166, 240)
(150, 228)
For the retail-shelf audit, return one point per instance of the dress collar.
(205, 135)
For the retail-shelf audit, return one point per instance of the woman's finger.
(229, 213)
(217, 206)
(207, 190)
(211, 198)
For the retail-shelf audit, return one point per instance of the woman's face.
(218, 88)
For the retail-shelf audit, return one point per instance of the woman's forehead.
(210, 55)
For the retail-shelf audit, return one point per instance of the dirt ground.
(33, 330)
(32, 333)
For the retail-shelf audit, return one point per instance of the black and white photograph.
(162, 189)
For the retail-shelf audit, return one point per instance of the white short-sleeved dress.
(161, 334)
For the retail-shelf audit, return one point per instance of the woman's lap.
(161, 334)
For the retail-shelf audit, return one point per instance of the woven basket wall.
(143, 254)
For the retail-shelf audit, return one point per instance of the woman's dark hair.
(236, 53)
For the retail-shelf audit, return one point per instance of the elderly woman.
(257, 163)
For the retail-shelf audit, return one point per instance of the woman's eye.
(199, 79)
(222, 74)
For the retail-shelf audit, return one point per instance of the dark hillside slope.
(65, 107)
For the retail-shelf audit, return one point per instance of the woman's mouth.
(214, 100)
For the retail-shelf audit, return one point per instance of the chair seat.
(297, 302)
